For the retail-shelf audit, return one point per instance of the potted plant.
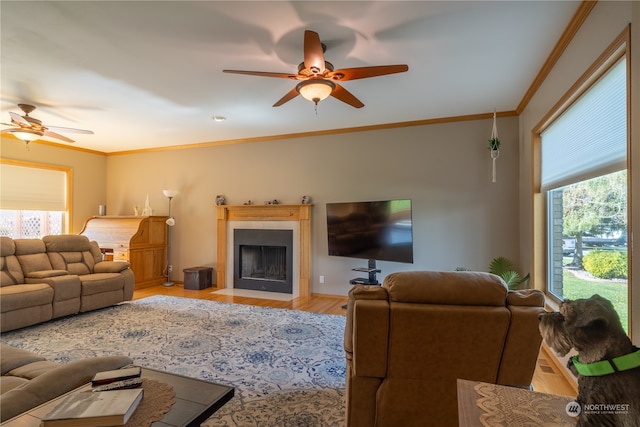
(494, 144)
(504, 268)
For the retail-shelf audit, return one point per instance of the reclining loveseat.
(408, 341)
(56, 276)
(28, 380)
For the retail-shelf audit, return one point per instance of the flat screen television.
(380, 230)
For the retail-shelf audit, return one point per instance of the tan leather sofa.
(29, 380)
(409, 340)
(43, 279)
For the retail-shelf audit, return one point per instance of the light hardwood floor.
(547, 378)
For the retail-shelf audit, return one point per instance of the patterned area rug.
(287, 367)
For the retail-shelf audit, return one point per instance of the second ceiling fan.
(317, 77)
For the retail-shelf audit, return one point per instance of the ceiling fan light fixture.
(315, 90)
(26, 135)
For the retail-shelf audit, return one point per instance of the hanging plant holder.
(494, 147)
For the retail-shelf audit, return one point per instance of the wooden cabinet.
(140, 240)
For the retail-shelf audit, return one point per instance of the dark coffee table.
(196, 400)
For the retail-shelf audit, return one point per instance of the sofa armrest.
(359, 292)
(370, 338)
(55, 383)
(110, 266)
(43, 274)
(526, 297)
(65, 287)
(523, 342)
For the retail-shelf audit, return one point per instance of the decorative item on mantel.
(220, 199)
(248, 202)
(306, 200)
(494, 147)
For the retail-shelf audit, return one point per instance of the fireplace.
(295, 218)
(263, 260)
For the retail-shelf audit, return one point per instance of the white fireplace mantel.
(228, 215)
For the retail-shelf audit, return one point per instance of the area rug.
(287, 367)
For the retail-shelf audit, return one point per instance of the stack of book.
(111, 402)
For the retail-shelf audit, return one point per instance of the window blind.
(32, 188)
(590, 138)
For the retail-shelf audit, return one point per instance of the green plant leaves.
(501, 266)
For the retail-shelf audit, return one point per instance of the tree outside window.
(589, 240)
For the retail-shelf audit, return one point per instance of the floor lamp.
(170, 194)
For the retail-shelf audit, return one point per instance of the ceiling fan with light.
(317, 77)
(29, 128)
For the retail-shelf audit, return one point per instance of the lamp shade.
(315, 90)
(26, 135)
(170, 193)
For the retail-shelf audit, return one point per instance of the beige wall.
(461, 219)
(89, 174)
(604, 24)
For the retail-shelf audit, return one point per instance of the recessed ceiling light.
(219, 118)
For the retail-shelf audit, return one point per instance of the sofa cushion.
(32, 370)
(101, 282)
(70, 252)
(448, 287)
(12, 358)
(10, 270)
(7, 246)
(67, 243)
(32, 255)
(17, 297)
(8, 382)
(95, 251)
(54, 383)
(74, 262)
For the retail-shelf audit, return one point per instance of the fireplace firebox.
(263, 260)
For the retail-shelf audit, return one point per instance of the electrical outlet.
(170, 269)
(321, 279)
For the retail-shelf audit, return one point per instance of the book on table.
(94, 409)
(106, 377)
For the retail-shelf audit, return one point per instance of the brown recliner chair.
(409, 340)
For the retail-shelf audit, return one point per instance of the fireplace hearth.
(263, 260)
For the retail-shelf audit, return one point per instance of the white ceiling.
(145, 74)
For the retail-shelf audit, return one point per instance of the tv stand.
(371, 270)
(371, 280)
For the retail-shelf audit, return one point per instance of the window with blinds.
(583, 173)
(33, 200)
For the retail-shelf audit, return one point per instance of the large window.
(584, 185)
(33, 200)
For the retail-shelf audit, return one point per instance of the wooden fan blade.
(288, 97)
(313, 52)
(366, 72)
(68, 130)
(57, 136)
(263, 74)
(19, 119)
(345, 96)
